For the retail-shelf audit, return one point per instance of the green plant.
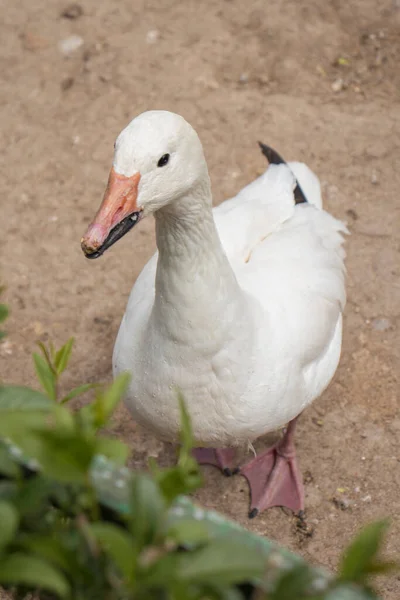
(61, 537)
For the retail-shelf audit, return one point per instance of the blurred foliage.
(59, 539)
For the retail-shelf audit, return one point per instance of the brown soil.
(317, 80)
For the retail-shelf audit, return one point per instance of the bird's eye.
(163, 160)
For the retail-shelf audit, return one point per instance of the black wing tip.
(271, 155)
(275, 159)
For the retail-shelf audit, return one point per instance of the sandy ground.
(319, 81)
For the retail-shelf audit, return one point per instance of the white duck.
(241, 308)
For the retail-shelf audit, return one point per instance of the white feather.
(247, 316)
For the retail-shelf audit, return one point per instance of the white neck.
(195, 284)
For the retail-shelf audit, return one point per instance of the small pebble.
(352, 214)
(70, 44)
(244, 78)
(208, 82)
(152, 36)
(342, 502)
(338, 85)
(72, 11)
(381, 324)
(6, 348)
(33, 42)
(67, 83)
(366, 498)
(374, 178)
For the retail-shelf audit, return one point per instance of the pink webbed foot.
(274, 477)
(222, 458)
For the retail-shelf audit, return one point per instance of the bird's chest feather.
(209, 365)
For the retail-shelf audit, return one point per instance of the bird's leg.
(218, 457)
(274, 476)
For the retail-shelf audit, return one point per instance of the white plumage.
(241, 307)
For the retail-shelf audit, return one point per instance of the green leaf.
(186, 429)
(162, 573)
(347, 592)
(4, 312)
(17, 425)
(47, 356)
(8, 466)
(232, 594)
(62, 356)
(8, 490)
(177, 480)
(33, 496)
(222, 563)
(116, 450)
(188, 531)
(294, 583)
(64, 417)
(45, 375)
(81, 389)
(108, 400)
(9, 520)
(147, 510)
(65, 456)
(359, 558)
(15, 397)
(27, 570)
(48, 548)
(117, 544)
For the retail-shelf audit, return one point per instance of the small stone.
(33, 42)
(244, 78)
(70, 44)
(263, 80)
(152, 36)
(72, 11)
(67, 83)
(308, 477)
(381, 324)
(374, 178)
(341, 502)
(303, 526)
(332, 191)
(338, 85)
(208, 82)
(352, 214)
(366, 498)
(6, 348)
(377, 150)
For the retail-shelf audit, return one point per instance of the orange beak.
(117, 214)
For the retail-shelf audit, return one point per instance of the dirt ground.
(320, 82)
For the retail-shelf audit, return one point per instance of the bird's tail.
(275, 159)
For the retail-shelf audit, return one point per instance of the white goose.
(241, 308)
